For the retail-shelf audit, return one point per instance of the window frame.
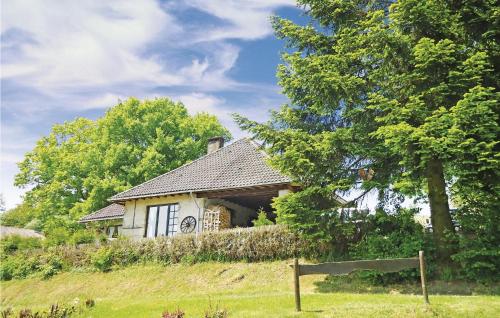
(169, 218)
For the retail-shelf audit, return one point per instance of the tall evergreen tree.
(399, 96)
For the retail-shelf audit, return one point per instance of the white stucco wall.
(135, 227)
(283, 192)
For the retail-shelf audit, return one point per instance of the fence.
(344, 268)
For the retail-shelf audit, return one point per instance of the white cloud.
(66, 45)
(247, 19)
(67, 57)
(85, 43)
(210, 74)
(200, 102)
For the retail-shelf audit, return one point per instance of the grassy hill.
(245, 290)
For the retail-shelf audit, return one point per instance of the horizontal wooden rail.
(344, 268)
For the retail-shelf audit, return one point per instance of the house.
(109, 219)
(223, 189)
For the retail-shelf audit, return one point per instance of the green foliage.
(19, 216)
(18, 267)
(57, 236)
(312, 213)
(262, 219)
(72, 171)
(103, 259)
(479, 239)
(13, 243)
(344, 234)
(393, 236)
(390, 236)
(52, 264)
(6, 269)
(407, 89)
(256, 244)
(84, 236)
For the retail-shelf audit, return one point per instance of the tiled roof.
(238, 165)
(112, 211)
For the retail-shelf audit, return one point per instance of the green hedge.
(252, 244)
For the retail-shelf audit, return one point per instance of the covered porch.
(240, 205)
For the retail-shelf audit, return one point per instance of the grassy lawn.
(245, 290)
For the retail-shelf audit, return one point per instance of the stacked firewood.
(216, 218)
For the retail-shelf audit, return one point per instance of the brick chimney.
(214, 144)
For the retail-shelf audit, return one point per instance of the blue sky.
(64, 59)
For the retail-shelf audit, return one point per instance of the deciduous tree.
(81, 163)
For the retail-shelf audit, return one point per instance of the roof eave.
(161, 194)
(101, 219)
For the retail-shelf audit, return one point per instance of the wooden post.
(422, 276)
(296, 272)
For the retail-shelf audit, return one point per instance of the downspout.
(133, 219)
(199, 212)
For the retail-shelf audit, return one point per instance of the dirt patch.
(238, 278)
(219, 273)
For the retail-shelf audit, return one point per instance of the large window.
(113, 231)
(161, 220)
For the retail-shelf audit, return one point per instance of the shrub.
(344, 234)
(52, 265)
(74, 256)
(310, 214)
(251, 244)
(7, 267)
(262, 219)
(83, 237)
(124, 252)
(18, 266)
(13, 243)
(57, 236)
(34, 224)
(25, 267)
(479, 238)
(18, 216)
(394, 235)
(103, 259)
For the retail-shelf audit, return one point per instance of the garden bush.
(18, 266)
(395, 235)
(478, 255)
(103, 259)
(314, 215)
(83, 236)
(12, 243)
(252, 244)
(51, 265)
(262, 219)
(339, 234)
